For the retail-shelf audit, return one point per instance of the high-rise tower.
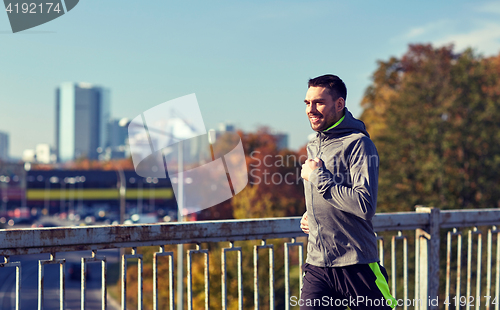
(82, 116)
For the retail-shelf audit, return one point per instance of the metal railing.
(429, 263)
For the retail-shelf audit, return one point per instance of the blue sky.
(247, 61)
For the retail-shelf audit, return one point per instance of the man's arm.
(361, 198)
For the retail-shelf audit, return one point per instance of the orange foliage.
(274, 185)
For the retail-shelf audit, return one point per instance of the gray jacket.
(341, 196)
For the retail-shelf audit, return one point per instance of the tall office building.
(4, 146)
(117, 139)
(82, 117)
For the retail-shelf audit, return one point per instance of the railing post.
(427, 261)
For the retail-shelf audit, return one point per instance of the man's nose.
(311, 108)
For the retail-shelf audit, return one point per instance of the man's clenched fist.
(309, 166)
(303, 223)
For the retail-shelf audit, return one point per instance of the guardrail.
(429, 225)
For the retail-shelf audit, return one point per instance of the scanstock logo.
(170, 140)
(26, 14)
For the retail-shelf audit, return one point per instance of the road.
(29, 282)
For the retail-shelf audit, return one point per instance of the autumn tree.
(433, 115)
(275, 187)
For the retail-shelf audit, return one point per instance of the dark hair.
(332, 82)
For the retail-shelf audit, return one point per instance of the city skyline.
(247, 63)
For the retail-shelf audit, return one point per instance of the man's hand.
(309, 166)
(304, 225)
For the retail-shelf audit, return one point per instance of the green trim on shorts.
(382, 285)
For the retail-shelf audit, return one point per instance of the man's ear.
(340, 104)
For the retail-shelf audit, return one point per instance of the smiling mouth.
(314, 118)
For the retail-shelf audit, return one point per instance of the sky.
(248, 62)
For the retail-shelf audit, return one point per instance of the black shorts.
(362, 286)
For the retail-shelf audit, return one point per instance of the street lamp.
(121, 183)
(151, 181)
(63, 192)
(74, 197)
(182, 210)
(47, 194)
(122, 190)
(80, 180)
(140, 181)
(53, 180)
(71, 195)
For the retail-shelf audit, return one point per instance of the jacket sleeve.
(359, 199)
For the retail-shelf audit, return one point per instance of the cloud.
(485, 38)
(478, 31)
(422, 31)
(489, 7)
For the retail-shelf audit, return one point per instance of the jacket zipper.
(314, 216)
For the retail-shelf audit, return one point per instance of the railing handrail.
(467, 218)
(63, 239)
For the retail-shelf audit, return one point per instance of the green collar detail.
(336, 124)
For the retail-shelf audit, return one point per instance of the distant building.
(28, 155)
(43, 154)
(281, 140)
(82, 117)
(117, 139)
(118, 132)
(4, 146)
(226, 127)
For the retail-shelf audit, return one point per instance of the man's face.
(321, 110)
